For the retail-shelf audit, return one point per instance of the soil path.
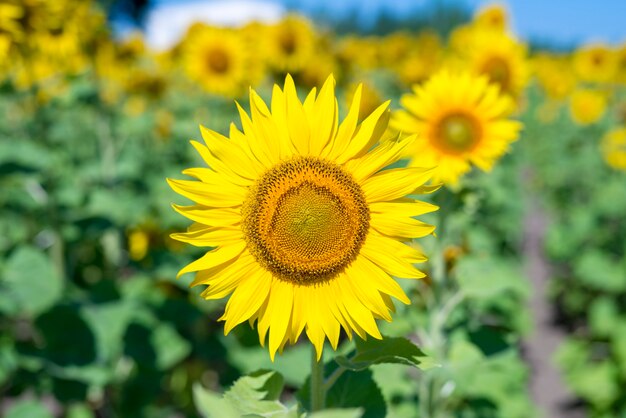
(546, 385)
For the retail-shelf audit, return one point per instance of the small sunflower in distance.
(460, 119)
(306, 227)
(220, 60)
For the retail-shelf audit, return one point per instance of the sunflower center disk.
(458, 133)
(217, 61)
(305, 220)
(498, 72)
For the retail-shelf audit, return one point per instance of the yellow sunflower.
(220, 60)
(614, 148)
(459, 119)
(291, 44)
(554, 75)
(494, 16)
(306, 223)
(596, 63)
(587, 106)
(501, 58)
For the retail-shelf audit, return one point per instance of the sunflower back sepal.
(388, 350)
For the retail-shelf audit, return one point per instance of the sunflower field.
(423, 223)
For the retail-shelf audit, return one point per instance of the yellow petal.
(210, 216)
(223, 195)
(395, 226)
(381, 280)
(210, 237)
(214, 257)
(385, 258)
(346, 129)
(247, 298)
(370, 131)
(378, 158)
(395, 183)
(297, 122)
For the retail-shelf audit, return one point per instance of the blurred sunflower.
(10, 15)
(494, 16)
(595, 63)
(308, 229)
(422, 61)
(501, 58)
(291, 44)
(587, 106)
(614, 148)
(554, 75)
(220, 60)
(459, 119)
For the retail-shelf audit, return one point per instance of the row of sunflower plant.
(310, 206)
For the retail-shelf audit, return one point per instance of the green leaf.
(483, 277)
(170, 347)
(599, 271)
(211, 405)
(28, 409)
(79, 411)
(351, 390)
(30, 282)
(8, 360)
(257, 394)
(108, 322)
(337, 413)
(396, 350)
(603, 316)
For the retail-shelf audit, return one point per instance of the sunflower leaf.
(256, 394)
(388, 350)
(337, 413)
(31, 284)
(356, 390)
(211, 405)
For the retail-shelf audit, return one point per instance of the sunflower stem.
(318, 392)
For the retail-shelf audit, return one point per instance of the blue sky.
(558, 21)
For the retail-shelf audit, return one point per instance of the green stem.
(334, 376)
(318, 394)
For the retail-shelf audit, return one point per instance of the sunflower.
(220, 60)
(291, 44)
(587, 106)
(499, 57)
(596, 63)
(494, 16)
(307, 228)
(459, 119)
(554, 75)
(614, 148)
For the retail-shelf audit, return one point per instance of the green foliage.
(256, 395)
(31, 285)
(386, 351)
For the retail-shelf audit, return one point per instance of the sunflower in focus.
(220, 60)
(460, 119)
(291, 44)
(587, 106)
(501, 58)
(595, 63)
(614, 148)
(306, 227)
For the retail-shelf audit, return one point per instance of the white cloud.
(166, 24)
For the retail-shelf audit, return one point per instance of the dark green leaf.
(396, 350)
